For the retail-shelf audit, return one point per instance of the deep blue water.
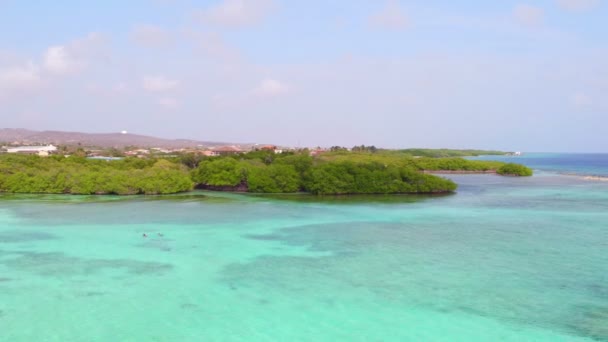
(587, 164)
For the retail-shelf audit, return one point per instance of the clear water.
(504, 259)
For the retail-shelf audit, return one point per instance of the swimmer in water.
(160, 234)
(144, 235)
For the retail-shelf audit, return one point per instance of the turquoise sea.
(503, 259)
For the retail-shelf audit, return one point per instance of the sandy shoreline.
(595, 178)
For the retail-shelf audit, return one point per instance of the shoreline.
(460, 172)
(595, 178)
(583, 176)
(586, 177)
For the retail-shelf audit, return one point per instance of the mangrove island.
(361, 170)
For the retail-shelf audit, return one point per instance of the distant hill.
(24, 137)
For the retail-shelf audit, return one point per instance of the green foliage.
(190, 160)
(363, 148)
(455, 164)
(77, 175)
(338, 149)
(345, 177)
(273, 179)
(220, 172)
(367, 170)
(512, 169)
(301, 162)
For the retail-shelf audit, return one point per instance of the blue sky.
(514, 75)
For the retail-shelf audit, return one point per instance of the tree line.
(365, 171)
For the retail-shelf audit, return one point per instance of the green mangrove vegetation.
(77, 175)
(512, 169)
(366, 170)
(338, 172)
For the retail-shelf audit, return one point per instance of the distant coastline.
(460, 172)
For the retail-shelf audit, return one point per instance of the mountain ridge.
(25, 136)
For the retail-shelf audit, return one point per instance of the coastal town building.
(317, 151)
(137, 152)
(37, 150)
(272, 148)
(225, 151)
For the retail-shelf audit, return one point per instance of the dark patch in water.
(17, 236)
(467, 310)
(58, 264)
(593, 322)
(267, 237)
(94, 294)
(5, 280)
(599, 290)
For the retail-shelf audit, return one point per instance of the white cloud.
(169, 102)
(270, 88)
(150, 36)
(58, 60)
(529, 16)
(237, 13)
(74, 56)
(159, 83)
(578, 5)
(17, 78)
(391, 17)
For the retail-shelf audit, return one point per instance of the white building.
(39, 150)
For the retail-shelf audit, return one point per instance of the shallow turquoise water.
(504, 259)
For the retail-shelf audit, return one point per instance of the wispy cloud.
(159, 83)
(529, 16)
(169, 103)
(74, 56)
(236, 13)
(270, 88)
(18, 78)
(578, 5)
(212, 44)
(151, 36)
(59, 60)
(391, 17)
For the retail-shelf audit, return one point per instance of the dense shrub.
(273, 179)
(512, 169)
(366, 171)
(373, 178)
(220, 172)
(74, 175)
